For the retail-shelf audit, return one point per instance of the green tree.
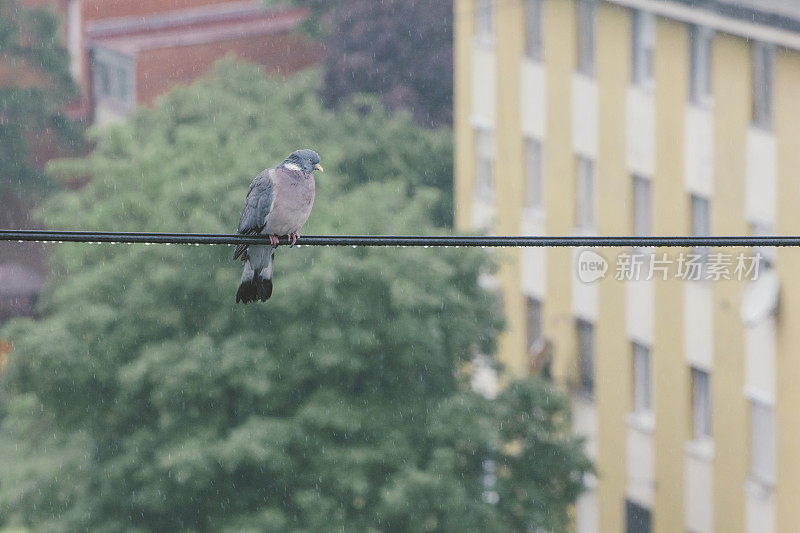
(144, 399)
(34, 86)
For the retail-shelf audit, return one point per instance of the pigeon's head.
(306, 160)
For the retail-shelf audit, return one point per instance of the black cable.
(395, 240)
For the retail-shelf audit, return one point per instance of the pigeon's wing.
(257, 206)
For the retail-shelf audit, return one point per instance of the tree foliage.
(35, 83)
(144, 399)
(400, 50)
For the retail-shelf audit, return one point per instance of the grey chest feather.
(294, 198)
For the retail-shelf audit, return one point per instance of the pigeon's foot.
(273, 240)
(293, 238)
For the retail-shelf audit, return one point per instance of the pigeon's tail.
(256, 278)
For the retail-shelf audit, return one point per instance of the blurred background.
(398, 389)
(638, 117)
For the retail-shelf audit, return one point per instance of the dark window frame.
(586, 27)
(638, 519)
(585, 337)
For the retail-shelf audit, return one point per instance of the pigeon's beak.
(319, 167)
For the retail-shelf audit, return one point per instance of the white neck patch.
(291, 166)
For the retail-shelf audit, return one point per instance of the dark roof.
(232, 20)
(782, 14)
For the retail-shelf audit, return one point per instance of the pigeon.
(278, 203)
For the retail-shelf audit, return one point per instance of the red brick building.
(133, 52)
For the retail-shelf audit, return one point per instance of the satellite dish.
(760, 298)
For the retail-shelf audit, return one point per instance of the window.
(762, 442)
(112, 77)
(534, 323)
(102, 85)
(700, 64)
(484, 171)
(540, 356)
(768, 254)
(701, 404)
(584, 195)
(637, 518)
(534, 170)
(642, 43)
(701, 221)
(641, 206)
(641, 378)
(587, 10)
(533, 29)
(484, 20)
(763, 62)
(585, 334)
(761, 296)
(701, 216)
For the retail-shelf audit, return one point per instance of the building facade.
(124, 54)
(644, 117)
(131, 60)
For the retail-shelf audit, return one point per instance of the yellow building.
(648, 117)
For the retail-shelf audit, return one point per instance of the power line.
(396, 240)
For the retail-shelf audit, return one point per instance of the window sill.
(584, 396)
(483, 197)
(479, 122)
(643, 422)
(703, 104)
(759, 488)
(535, 214)
(702, 449)
(534, 59)
(587, 76)
(484, 41)
(758, 396)
(647, 87)
(584, 232)
(762, 128)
